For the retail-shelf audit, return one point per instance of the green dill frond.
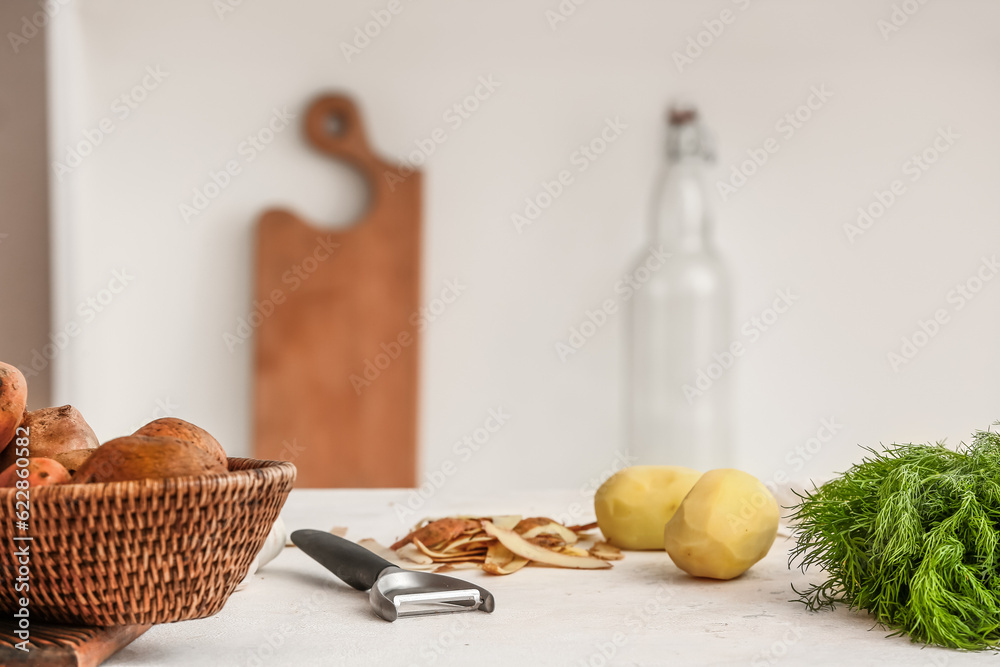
(911, 535)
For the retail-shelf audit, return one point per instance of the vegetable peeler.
(394, 592)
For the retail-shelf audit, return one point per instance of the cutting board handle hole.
(335, 124)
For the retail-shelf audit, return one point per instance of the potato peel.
(498, 554)
(606, 551)
(510, 568)
(583, 528)
(442, 557)
(506, 521)
(458, 565)
(410, 553)
(521, 547)
(498, 545)
(575, 551)
(550, 527)
(547, 541)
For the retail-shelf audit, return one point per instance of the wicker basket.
(148, 551)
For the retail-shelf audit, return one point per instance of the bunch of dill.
(911, 535)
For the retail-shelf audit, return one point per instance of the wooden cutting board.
(53, 645)
(336, 352)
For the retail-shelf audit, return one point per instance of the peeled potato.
(634, 504)
(143, 457)
(171, 427)
(726, 523)
(54, 431)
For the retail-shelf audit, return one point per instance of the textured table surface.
(644, 611)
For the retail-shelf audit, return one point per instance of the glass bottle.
(680, 359)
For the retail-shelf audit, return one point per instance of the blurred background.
(121, 289)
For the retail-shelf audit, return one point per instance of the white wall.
(160, 340)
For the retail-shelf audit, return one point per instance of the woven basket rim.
(233, 478)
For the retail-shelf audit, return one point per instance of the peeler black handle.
(353, 563)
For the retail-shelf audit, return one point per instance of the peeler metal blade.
(399, 593)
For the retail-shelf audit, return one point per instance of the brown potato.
(41, 472)
(53, 431)
(171, 427)
(13, 398)
(144, 457)
(73, 460)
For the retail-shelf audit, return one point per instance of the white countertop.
(644, 611)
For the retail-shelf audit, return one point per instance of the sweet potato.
(53, 431)
(145, 457)
(73, 460)
(171, 427)
(13, 398)
(41, 472)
